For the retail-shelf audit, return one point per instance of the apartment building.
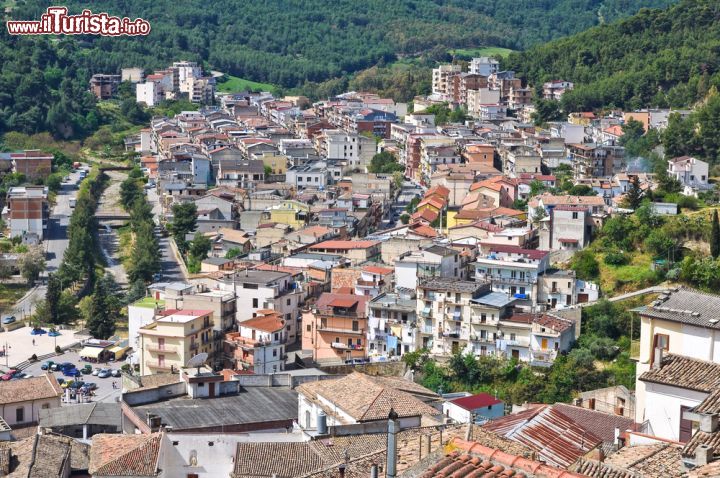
(444, 312)
(258, 346)
(433, 261)
(567, 228)
(484, 65)
(442, 81)
(590, 160)
(357, 150)
(167, 344)
(222, 304)
(335, 329)
(357, 252)
(104, 87)
(512, 270)
(27, 211)
(150, 93)
(33, 164)
(392, 324)
(554, 90)
(691, 172)
(258, 290)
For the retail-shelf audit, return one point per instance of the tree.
(384, 163)
(397, 179)
(538, 215)
(32, 263)
(232, 253)
(184, 222)
(200, 246)
(715, 236)
(130, 191)
(136, 292)
(546, 110)
(585, 265)
(634, 196)
(52, 298)
(104, 308)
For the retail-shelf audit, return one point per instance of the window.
(575, 215)
(255, 303)
(355, 325)
(308, 328)
(277, 336)
(662, 341)
(359, 341)
(513, 337)
(20, 414)
(274, 352)
(349, 342)
(288, 301)
(457, 297)
(45, 406)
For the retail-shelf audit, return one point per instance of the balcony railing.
(426, 329)
(342, 346)
(156, 366)
(194, 346)
(488, 339)
(521, 342)
(341, 330)
(339, 312)
(168, 349)
(505, 279)
(427, 313)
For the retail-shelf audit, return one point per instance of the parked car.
(89, 386)
(60, 380)
(77, 384)
(72, 372)
(67, 383)
(96, 371)
(115, 372)
(19, 375)
(38, 331)
(104, 373)
(47, 365)
(55, 366)
(28, 375)
(8, 375)
(53, 333)
(86, 370)
(8, 319)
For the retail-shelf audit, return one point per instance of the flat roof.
(251, 405)
(494, 299)
(184, 316)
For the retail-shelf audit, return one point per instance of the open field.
(482, 51)
(236, 85)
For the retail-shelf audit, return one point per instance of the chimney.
(616, 440)
(657, 359)
(393, 428)
(703, 454)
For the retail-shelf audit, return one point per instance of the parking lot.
(20, 345)
(104, 391)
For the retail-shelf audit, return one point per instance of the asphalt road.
(170, 267)
(56, 241)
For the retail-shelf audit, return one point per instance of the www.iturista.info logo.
(57, 22)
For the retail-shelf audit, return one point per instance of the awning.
(118, 351)
(91, 352)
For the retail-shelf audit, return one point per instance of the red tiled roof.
(423, 230)
(125, 455)
(327, 297)
(472, 460)
(531, 253)
(265, 323)
(343, 302)
(568, 241)
(426, 214)
(378, 270)
(481, 400)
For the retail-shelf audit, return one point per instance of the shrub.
(33, 358)
(58, 350)
(616, 258)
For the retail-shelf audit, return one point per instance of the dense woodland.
(290, 42)
(662, 58)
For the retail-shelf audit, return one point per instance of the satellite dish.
(197, 361)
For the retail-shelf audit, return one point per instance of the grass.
(10, 294)
(233, 84)
(633, 276)
(481, 51)
(149, 302)
(125, 240)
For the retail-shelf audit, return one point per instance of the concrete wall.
(664, 414)
(139, 397)
(390, 369)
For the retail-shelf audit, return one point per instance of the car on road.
(9, 375)
(47, 365)
(66, 383)
(8, 319)
(104, 373)
(115, 372)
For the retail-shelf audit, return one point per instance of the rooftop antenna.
(197, 361)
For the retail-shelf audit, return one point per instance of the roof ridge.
(369, 407)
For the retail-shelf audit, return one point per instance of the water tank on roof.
(321, 423)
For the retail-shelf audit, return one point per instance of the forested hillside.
(657, 57)
(288, 42)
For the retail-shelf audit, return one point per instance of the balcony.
(543, 358)
(341, 330)
(506, 280)
(194, 346)
(452, 333)
(159, 368)
(426, 329)
(163, 349)
(519, 342)
(427, 313)
(368, 283)
(342, 346)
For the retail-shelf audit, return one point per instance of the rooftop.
(687, 306)
(184, 316)
(451, 285)
(494, 299)
(472, 402)
(88, 413)
(27, 389)
(685, 372)
(125, 455)
(149, 302)
(251, 405)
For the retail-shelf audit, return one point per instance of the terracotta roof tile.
(685, 372)
(34, 388)
(125, 455)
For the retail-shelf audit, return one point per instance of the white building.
(473, 408)
(691, 172)
(484, 66)
(434, 261)
(441, 81)
(151, 93)
(260, 343)
(357, 150)
(21, 400)
(187, 71)
(392, 325)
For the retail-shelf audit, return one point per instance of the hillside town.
(312, 257)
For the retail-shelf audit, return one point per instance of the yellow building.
(294, 213)
(168, 343)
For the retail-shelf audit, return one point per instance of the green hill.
(656, 58)
(288, 42)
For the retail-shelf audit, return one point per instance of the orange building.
(479, 154)
(335, 330)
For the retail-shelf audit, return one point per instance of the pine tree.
(634, 196)
(715, 236)
(52, 298)
(101, 323)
